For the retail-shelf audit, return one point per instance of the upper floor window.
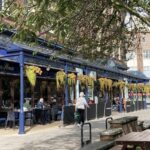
(146, 54)
(1, 4)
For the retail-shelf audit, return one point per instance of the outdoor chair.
(29, 118)
(59, 113)
(2, 121)
(10, 118)
(110, 134)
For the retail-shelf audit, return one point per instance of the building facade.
(140, 58)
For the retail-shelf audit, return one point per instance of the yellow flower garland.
(83, 79)
(140, 87)
(109, 84)
(119, 84)
(31, 72)
(146, 89)
(91, 81)
(131, 87)
(60, 78)
(105, 84)
(102, 83)
(71, 79)
(86, 80)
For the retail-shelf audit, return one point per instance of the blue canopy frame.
(25, 55)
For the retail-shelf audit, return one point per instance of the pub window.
(146, 54)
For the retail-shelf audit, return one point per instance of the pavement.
(54, 137)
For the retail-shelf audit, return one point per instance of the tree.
(92, 28)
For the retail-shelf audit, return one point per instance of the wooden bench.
(128, 123)
(102, 145)
(117, 147)
(136, 139)
(140, 125)
(146, 126)
(110, 134)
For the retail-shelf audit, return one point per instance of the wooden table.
(128, 124)
(141, 139)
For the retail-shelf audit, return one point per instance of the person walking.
(80, 108)
(124, 102)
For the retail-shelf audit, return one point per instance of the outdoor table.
(128, 124)
(141, 139)
(27, 114)
(42, 116)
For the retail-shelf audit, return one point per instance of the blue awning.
(44, 52)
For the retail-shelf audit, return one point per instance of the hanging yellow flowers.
(71, 79)
(60, 79)
(119, 84)
(131, 87)
(140, 87)
(31, 72)
(86, 80)
(146, 89)
(136, 87)
(83, 80)
(91, 81)
(109, 84)
(102, 83)
(105, 84)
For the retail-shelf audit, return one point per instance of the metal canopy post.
(21, 115)
(86, 90)
(66, 85)
(145, 99)
(120, 99)
(137, 97)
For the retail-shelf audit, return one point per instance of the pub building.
(15, 87)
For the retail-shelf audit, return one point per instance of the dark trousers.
(81, 113)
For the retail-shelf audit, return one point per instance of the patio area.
(30, 129)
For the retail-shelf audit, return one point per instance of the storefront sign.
(9, 67)
(6, 67)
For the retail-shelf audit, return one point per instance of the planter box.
(140, 105)
(68, 117)
(128, 106)
(91, 112)
(108, 111)
(132, 106)
(100, 109)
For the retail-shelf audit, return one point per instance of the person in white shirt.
(80, 107)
